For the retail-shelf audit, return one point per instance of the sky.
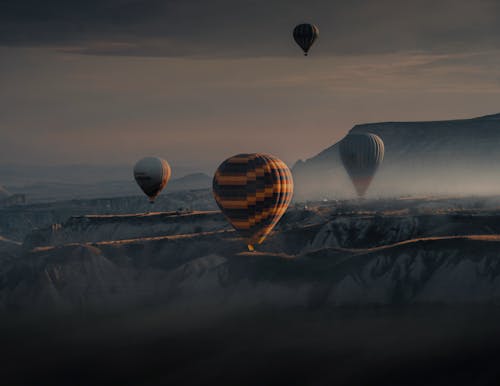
(193, 81)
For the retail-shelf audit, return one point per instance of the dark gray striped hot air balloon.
(305, 35)
(361, 154)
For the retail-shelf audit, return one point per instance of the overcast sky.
(195, 81)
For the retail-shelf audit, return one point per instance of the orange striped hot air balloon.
(253, 191)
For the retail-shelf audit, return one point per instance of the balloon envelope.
(361, 154)
(305, 35)
(253, 191)
(152, 175)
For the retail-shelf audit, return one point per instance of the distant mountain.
(19, 175)
(444, 157)
(55, 191)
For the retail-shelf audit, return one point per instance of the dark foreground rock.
(410, 346)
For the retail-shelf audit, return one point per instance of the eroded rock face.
(340, 261)
(321, 255)
(80, 229)
(210, 269)
(303, 228)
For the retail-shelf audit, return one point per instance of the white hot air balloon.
(152, 175)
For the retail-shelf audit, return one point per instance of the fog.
(401, 181)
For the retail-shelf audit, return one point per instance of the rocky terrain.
(393, 291)
(18, 221)
(210, 268)
(438, 157)
(92, 228)
(323, 254)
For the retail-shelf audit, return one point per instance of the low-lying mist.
(401, 180)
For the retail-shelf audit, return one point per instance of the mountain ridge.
(495, 116)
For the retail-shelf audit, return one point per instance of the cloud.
(61, 108)
(249, 28)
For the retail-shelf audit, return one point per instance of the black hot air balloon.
(305, 36)
(361, 154)
(152, 175)
(253, 191)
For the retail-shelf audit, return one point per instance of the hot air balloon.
(361, 154)
(253, 191)
(152, 175)
(305, 35)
